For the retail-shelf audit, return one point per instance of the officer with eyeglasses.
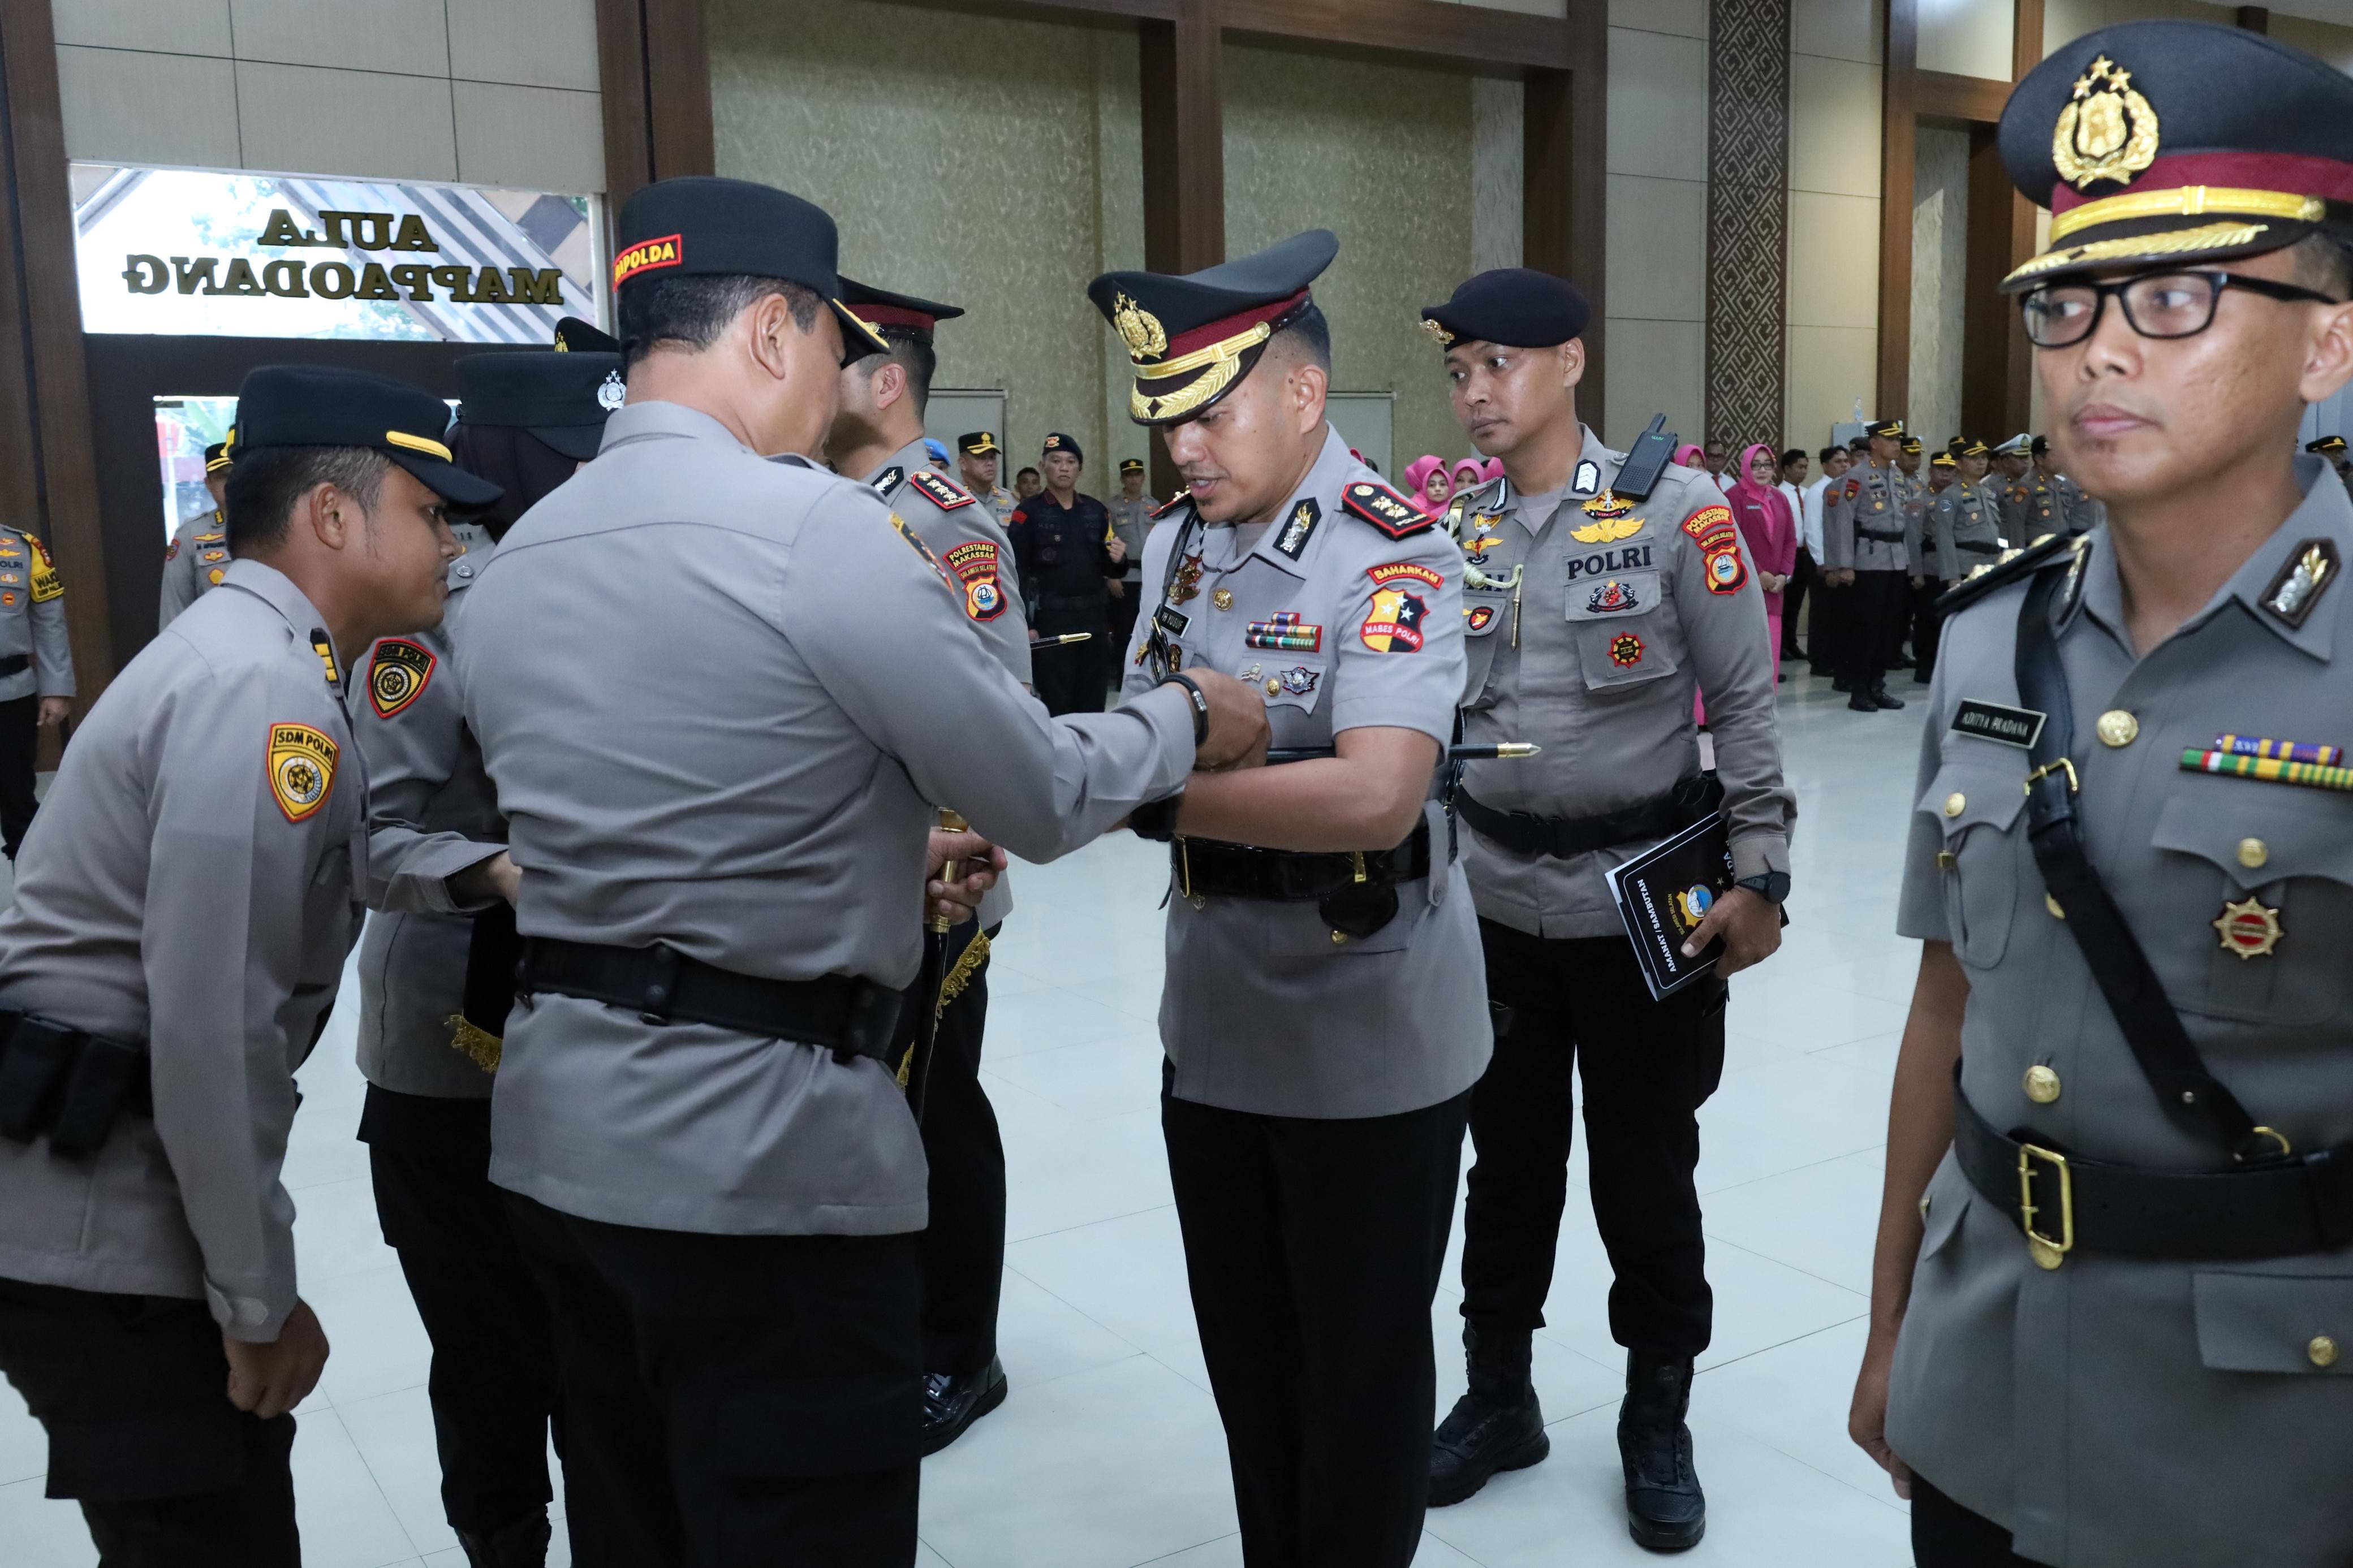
(2114, 1282)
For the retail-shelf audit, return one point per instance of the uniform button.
(1223, 598)
(2254, 852)
(2322, 1350)
(2117, 728)
(1338, 937)
(1273, 686)
(465, 568)
(1955, 803)
(2041, 1084)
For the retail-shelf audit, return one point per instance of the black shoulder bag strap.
(2191, 1095)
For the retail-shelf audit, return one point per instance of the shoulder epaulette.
(939, 491)
(2016, 566)
(1386, 510)
(1172, 503)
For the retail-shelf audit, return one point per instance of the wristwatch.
(1200, 700)
(1773, 887)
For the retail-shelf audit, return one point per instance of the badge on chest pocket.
(1621, 639)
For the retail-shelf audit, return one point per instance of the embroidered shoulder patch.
(976, 565)
(1392, 571)
(942, 494)
(171, 551)
(1386, 510)
(1853, 488)
(915, 543)
(398, 678)
(302, 763)
(1711, 523)
(1394, 622)
(46, 584)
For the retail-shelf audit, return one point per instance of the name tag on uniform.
(2020, 727)
(1172, 620)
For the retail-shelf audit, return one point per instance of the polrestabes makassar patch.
(1298, 529)
(402, 670)
(2020, 727)
(2311, 567)
(302, 763)
(942, 494)
(1386, 510)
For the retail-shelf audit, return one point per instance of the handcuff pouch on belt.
(66, 1084)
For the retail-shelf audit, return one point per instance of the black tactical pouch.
(107, 1079)
(35, 1059)
(1359, 908)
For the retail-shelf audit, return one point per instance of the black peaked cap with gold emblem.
(979, 443)
(709, 225)
(1893, 428)
(2173, 141)
(573, 336)
(879, 308)
(321, 405)
(217, 458)
(1193, 337)
(562, 398)
(2328, 446)
(1513, 307)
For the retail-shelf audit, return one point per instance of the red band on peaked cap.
(1218, 331)
(896, 316)
(2297, 173)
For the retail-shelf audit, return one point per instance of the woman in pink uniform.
(1768, 530)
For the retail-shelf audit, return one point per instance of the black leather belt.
(2282, 1207)
(1882, 538)
(1526, 834)
(15, 664)
(1978, 546)
(66, 1084)
(850, 1015)
(1214, 868)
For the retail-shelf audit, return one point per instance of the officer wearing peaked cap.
(711, 1169)
(182, 911)
(1324, 1016)
(434, 982)
(1863, 565)
(2075, 511)
(1592, 615)
(2332, 449)
(2114, 1284)
(877, 438)
(198, 556)
(1961, 535)
(978, 458)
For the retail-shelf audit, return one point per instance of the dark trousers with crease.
(1072, 679)
(492, 1383)
(132, 1392)
(1875, 610)
(1793, 599)
(1947, 1535)
(1313, 1249)
(19, 735)
(733, 1401)
(1927, 625)
(963, 1249)
(1646, 1066)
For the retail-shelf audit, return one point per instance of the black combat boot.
(1496, 1425)
(1880, 697)
(523, 1544)
(1665, 1510)
(953, 1401)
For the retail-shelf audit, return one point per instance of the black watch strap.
(1201, 700)
(1773, 887)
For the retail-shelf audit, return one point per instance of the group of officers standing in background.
(724, 1183)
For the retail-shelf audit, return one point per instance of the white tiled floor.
(1108, 1453)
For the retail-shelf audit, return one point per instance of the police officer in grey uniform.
(712, 1171)
(878, 440)
(1322, 1016)
(1591, 617)
(1912, 485)
(1864, 560)
(438, 878)
(181, 920)
(198, 556)
(978, 458)
(1961, 535)
(2074, 512)
(1131, 518)
(2012, 483)
(2113, 1286)
(37, 675)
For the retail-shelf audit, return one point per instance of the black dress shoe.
(1882, 699)
(1841, 684)
(522, 1545)
(953, 1401)
(1665, 1510)
(1861, 702)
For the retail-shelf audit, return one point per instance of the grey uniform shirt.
(1963, 532)
(770, 819)
(1131, 521)
(972, 544)
(2117, 1413)
(431, 814)
(1619, 610)
(194, 562)
(32, 619)
(1862, 521)
(1343, 627)
(1000, 503)
(193, 882)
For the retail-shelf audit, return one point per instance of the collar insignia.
(883, 483)
(1588, 477)
(1293, 543)
(2301, 582)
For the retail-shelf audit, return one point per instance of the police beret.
(2327, 444)
(562, 398)
(2175, 142)
(1058, 442)
(319, 405)
(574, 336)
(1131, 465)
(1516, 307)
(978, 442)
(879, 308)
(216, 456)
(1889, 427)
(1194, 337)
(707, 225)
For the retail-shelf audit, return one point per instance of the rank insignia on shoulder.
(1171, 504)
(402, 669)
(943, 495)
(1588, 477)
(302, 763)
(974, 564)
(915, 543)
(2292, 593)
(1299, 530)
(1386, 510)
(883, 483)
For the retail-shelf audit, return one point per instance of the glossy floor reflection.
(1108, 1453)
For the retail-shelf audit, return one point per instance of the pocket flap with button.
(1966, 795)
(2274, 1322)
(1982, 868)
(1942, 1206)
(2256, 840)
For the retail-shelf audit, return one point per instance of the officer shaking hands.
(1322, 1016)
(1591, 617)
(714, 1175)
(2113, 1294)
(183, 907)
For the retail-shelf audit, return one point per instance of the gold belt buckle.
(2048, 1252)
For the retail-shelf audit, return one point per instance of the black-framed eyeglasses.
(2156, 304)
